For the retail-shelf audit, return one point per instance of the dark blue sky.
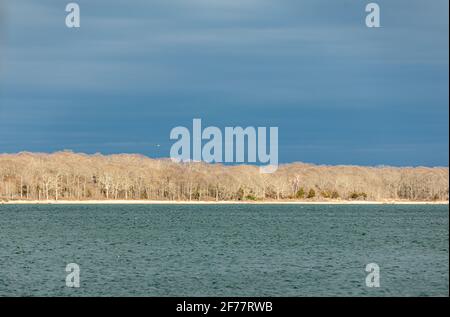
(339, 92)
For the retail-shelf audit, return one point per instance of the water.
(225, 250)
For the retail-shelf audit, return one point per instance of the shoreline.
(175, 202)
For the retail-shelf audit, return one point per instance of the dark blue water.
(224, 250)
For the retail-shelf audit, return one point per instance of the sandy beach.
(174, 202)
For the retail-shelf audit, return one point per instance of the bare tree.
(67, 175)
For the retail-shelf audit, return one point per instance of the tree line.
(73, 176)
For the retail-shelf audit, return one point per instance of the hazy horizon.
(215, 163)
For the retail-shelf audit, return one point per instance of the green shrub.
(311, 193)
(240, 194)
(300, 193)
(355, 195)
(325, 194)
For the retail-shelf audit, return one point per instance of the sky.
(339, 92)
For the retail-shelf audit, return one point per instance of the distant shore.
(175, 202)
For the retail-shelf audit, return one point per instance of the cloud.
(254, 58)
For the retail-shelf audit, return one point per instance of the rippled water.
(225, 250)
